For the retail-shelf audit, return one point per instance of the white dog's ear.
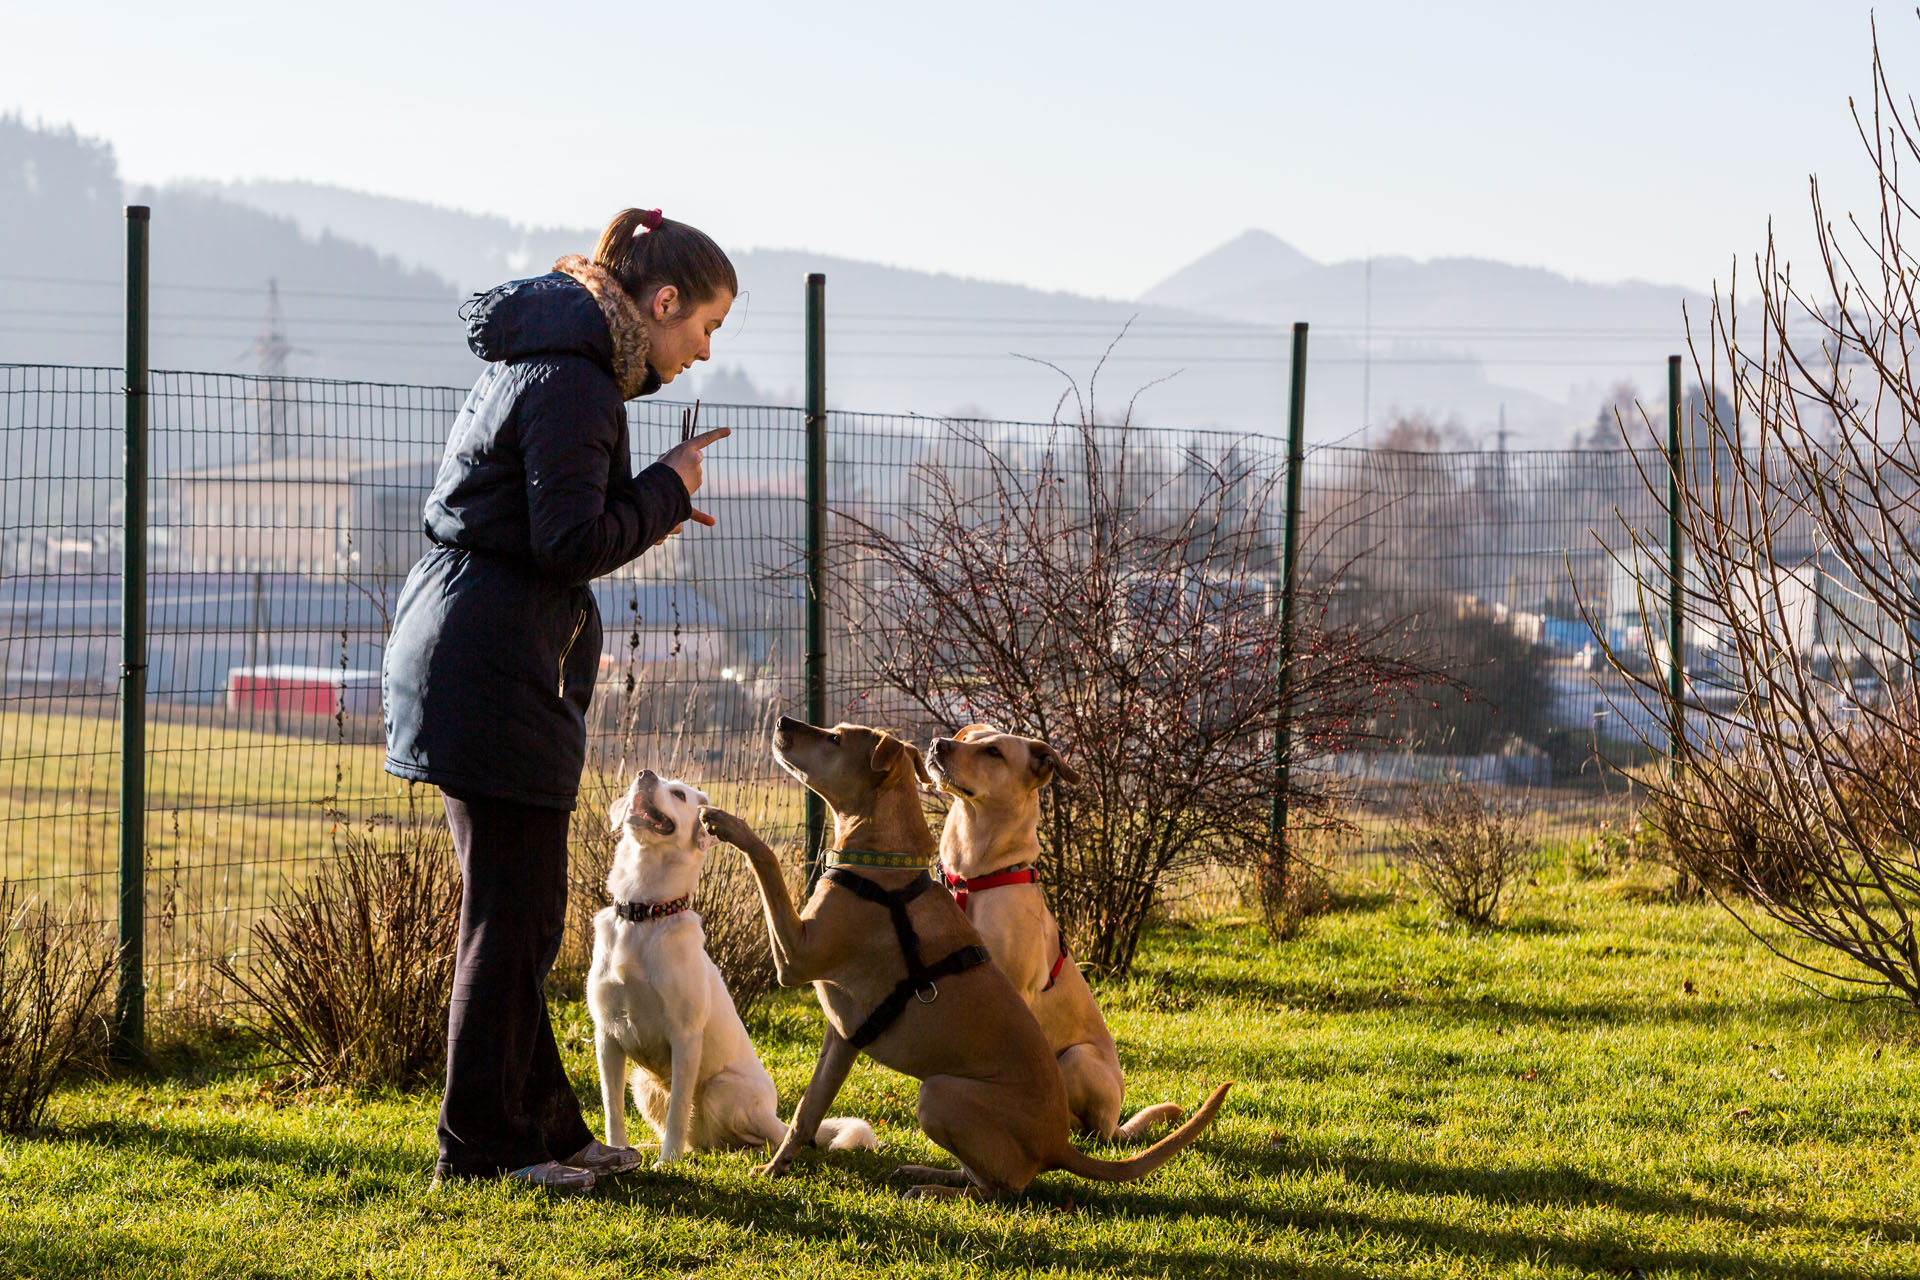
(972, 731)
(1048, 765)
(617, 811)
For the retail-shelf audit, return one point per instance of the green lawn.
(1606, 1086)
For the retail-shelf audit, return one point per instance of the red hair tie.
(651, 219)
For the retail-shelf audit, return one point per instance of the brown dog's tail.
(1074, 1160)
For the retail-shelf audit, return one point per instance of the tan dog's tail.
(1074, 1160)
(1147, 1119)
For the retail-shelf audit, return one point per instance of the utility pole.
(271, 348)
(1366, 359)
(1502, 552)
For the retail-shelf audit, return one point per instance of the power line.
(1215, 325)
(1092, 330)
(439, 299)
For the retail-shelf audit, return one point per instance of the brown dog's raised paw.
(724, 826)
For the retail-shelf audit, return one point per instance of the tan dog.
(990, 1090)
(988, 847)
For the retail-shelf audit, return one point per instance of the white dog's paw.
(669, 1157)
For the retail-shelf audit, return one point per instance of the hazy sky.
(1085, 146)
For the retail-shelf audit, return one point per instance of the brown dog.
(988, 847)
(990, 1090)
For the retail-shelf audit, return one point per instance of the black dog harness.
(920, 979)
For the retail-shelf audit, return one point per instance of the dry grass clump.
(56, 968)
(353, 970)
(1466, 850)
(1304, 895)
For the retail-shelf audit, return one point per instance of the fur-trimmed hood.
(579, 309)
(623, 316)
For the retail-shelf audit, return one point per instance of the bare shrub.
(1799, 501)
(1120, 601)
(353, 970)
(728, 900)
(56, 968)
(1707, 829)
(1466, 850)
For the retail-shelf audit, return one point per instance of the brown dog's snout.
(787, 730)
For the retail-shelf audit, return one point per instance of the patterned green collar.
(872, 861)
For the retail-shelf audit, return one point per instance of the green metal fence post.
(130, 999)
(1289, 588)
(1676, 571)
(816, 659)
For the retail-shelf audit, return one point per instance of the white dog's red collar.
(639, 911)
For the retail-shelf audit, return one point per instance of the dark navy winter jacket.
(496, 641)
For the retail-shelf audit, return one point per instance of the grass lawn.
(234, 816)
(1607, 1086)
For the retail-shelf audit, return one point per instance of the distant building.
(307, 516)
(291, 644)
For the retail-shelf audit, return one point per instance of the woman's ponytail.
(646, 252)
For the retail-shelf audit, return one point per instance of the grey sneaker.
(598, 1157)
(554, 1176)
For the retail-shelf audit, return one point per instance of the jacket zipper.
(579, 625)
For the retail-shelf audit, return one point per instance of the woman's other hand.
(686, 458)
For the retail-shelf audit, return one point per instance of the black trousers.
(507, 1103)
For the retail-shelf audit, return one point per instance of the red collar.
(960, 886)
(639, 911)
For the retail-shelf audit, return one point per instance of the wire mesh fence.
(285, 514)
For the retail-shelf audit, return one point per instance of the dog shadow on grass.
(851, 1197)
(858, 1204)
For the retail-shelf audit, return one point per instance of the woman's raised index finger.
(706, 438)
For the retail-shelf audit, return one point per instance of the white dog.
(659, 1001)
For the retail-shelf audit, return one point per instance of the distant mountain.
(1530, 328)
(369, 286)
(1252, 260)
(474, 250)
(348, 311)
(914, 342)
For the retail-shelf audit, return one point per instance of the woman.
(496, 645)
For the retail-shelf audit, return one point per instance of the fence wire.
(285, 514)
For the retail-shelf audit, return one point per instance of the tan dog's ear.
(919, 763)
(886, 753)
(971, 731)
(1046, 763)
